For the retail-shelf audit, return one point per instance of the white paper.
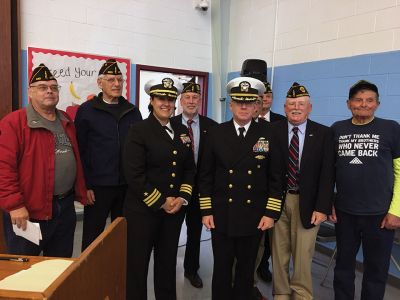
(32, 232)
(38, 277)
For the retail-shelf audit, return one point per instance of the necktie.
(293, 167)
(241, 132)
(169, 131)
(189, 124)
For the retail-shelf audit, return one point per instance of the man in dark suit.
(266, 112)
(198, 127)
(233, 191)
(102, 125)
(300, 193)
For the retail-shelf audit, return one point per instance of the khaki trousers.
(291, 240)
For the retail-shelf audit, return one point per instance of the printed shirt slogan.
(358, 146)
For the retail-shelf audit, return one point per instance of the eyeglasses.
(43, 87)
(112, 80)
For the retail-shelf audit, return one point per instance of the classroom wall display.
(76, 73)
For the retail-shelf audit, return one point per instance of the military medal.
(262, 145)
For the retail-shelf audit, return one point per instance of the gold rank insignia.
(262, 145)
(244, 86)
(168, 83)
(185, 139)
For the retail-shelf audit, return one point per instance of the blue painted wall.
(328, 83)
(24, 83)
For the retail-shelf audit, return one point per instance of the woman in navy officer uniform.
(159, 169)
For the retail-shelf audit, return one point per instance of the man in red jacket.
(40, 171)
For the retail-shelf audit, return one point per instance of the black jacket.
(101, 136)
(316, 179)
(157, 167)
(275, 117)
(233, 178)
(205, 125)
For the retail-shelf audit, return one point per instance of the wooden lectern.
(98, 273)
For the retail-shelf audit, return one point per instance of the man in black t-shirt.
(367, 206)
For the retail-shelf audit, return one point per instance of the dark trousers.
(57, 233)
(264, 264)
(194, 226)
(109, 200)
(351, 232)
(146, 232)
(225, 249)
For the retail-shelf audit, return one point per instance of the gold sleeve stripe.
(273, 208)
(205, 207)
(155, 199)
(205, 203)
(184, 185)
(275, 200)
(151, 196)
(205, 198)
(186, 190)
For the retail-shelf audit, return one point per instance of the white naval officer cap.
(164, 85)
(245, 89)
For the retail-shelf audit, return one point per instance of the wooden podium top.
(90, 276)
(8, 268)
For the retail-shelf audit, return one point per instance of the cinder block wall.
(325, 45)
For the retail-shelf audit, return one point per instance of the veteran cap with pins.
(164, 86)
(191, 86)
(362, 85)
(245, 89)
(41, 73)
(297, 90)
(110, 67)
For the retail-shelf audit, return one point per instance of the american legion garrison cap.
(268, 89)
(164, 86)
(191, 86)
(245, 89)
(297, 90)
(41, 73)
(110, 67)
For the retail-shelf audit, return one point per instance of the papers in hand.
(32, 232)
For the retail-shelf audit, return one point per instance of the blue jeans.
(351, 232)
(57, 233)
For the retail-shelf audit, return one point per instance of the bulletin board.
(76, 73)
